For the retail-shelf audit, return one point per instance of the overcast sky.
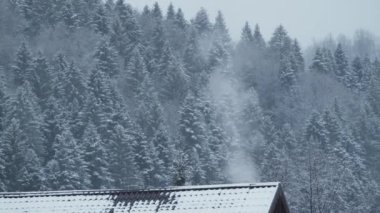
(304, 19)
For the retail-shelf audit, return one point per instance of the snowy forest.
(99, 95)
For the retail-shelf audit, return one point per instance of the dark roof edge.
(114, 191)
(279, 196)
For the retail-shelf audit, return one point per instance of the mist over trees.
(95, 94)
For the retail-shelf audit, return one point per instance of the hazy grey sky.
(304, 19)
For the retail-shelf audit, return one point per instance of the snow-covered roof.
(249, 198)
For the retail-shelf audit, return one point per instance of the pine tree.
(341, 63)
(258, 39)
(192, 59)
(329, 60)
(102, 102)
(334, 134)
(319, 64)
(271, 167)
(117, 38)
(173, 80)
(74, 88)
(85, 10)
(109, 6)
(69, 17)
(288, 76)
(218, 57)
(315, 130)
(180, 20)
(158, 43)
(176, 31)
(201, 22)
(123, 165)
(367, 73)
(149, 117)
(170, 14)
(22, 166)
(280, 42)
(41, 81)
(54, 116)
(180, 169)
(23, 65)
(25, 109)
(68, 158)
(156, 12)
(299, 60)
(3, 101)
(246, 35)
(193, 137)
(29, 176)
(246, 43)
(217, 144)
(96, 158)
(59, 66)
(106, 59)
(356, 76)
(100, 21)
(3, 177)
(126, 33)
(374, 88)
(221, 31)
(135, 72)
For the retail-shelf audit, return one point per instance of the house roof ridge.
(107, 191)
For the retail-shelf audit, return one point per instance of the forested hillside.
(100, 95)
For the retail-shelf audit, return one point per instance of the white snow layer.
(221, 199)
